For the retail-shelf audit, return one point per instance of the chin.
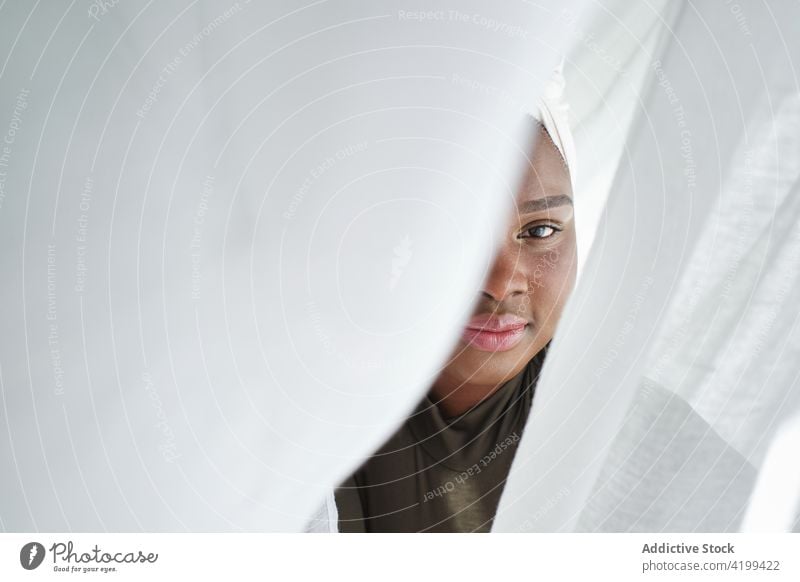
(474, 366)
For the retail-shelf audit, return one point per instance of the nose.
(506, 277)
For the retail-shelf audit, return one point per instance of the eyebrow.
(544, 203)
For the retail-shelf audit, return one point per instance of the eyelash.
(552, 227)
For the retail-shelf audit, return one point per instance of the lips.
(494, 333)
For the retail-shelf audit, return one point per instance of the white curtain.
(238, 239)
(678, 358)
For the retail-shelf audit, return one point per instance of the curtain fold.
(238, 240)
(654, 413)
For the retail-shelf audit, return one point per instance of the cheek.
(551, 280)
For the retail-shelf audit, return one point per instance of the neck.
(455, 398)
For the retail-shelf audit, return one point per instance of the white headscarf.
(553, 112)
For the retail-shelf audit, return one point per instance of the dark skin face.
(531, 278)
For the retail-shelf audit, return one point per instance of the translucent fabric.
(678, 358)
(237, 242)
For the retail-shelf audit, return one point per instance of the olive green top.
(438, 474)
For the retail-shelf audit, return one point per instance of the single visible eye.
(539, 231)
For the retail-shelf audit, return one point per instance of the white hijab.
(552, 111)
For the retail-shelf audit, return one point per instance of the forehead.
(546, 173)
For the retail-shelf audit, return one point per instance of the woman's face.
(529, 282)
